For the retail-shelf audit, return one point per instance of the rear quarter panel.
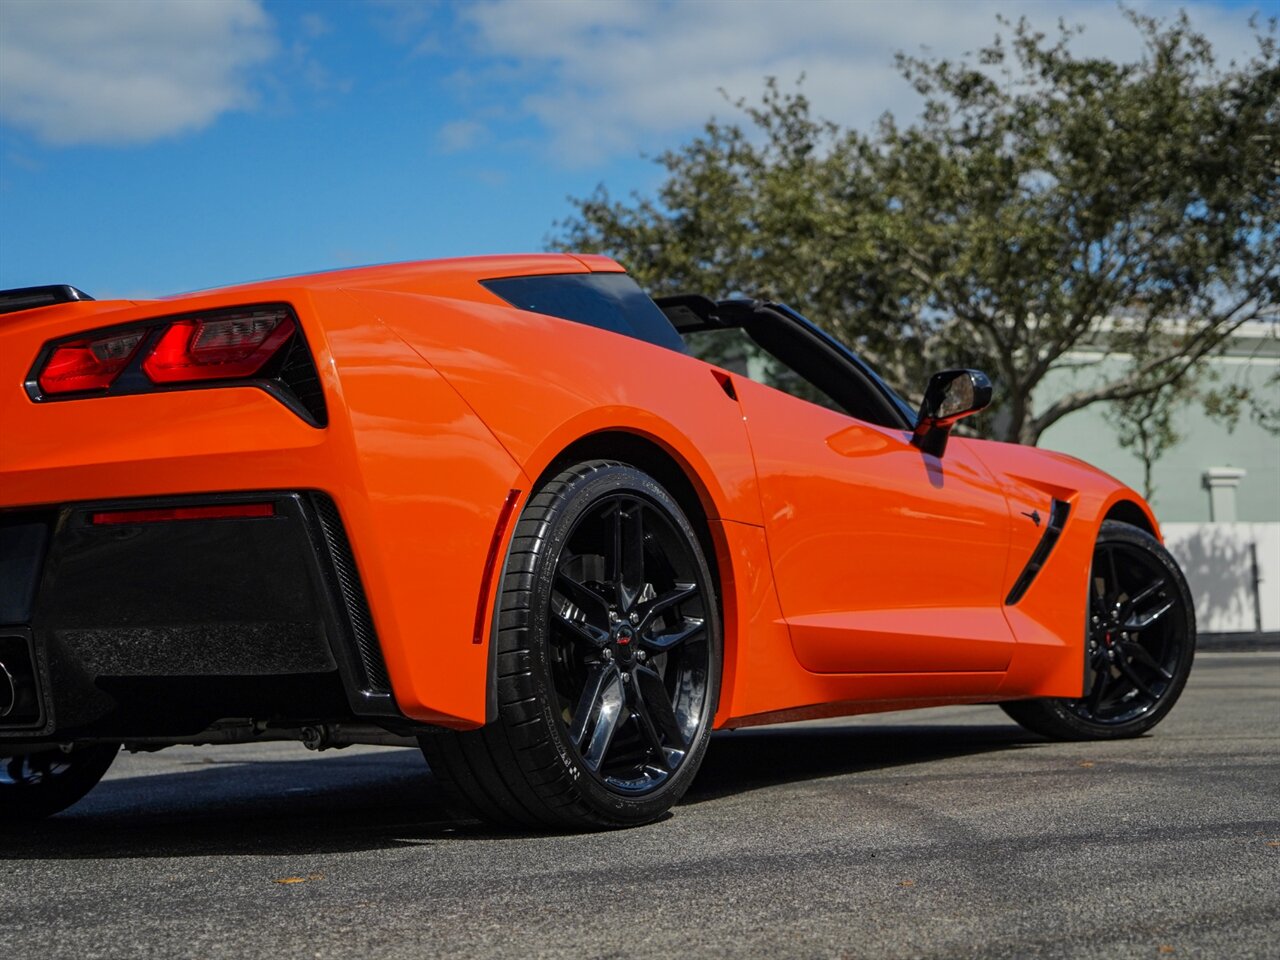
(541, 383)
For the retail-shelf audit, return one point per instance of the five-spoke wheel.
(1139, 644)
(630, 653)
(608, 655)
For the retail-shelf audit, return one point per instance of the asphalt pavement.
(945, 833)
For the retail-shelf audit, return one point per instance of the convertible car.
(513, 511)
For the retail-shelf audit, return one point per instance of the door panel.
(886, 560)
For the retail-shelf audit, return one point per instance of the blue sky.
(153, 147)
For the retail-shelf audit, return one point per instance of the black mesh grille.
(346, 578)
(298, 373)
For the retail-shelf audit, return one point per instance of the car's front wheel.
(608, 660)
(1139, 643)
(44, 782)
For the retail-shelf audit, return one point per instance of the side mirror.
(951, 395)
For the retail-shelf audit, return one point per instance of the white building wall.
(1181, 491)
(1233, 570)
(1179, 476)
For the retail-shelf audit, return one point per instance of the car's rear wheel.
(1139, 644)
(40, 784)
(608, 661)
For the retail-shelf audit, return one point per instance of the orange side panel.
(768, 685)
(954, 639)
(886, 560)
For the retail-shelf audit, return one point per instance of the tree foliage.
(1042, 202)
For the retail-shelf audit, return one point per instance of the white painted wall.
(1218, 561)
(1252, 359)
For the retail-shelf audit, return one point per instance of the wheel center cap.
(623, 640)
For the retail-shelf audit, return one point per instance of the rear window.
(610, 301)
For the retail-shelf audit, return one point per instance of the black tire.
(608, 661)
(1140, 639)
(38, 785)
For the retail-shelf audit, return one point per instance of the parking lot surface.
(942, 833)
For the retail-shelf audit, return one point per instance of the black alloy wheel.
(629, 664)
(46, 781)
(608, 655)
(1139, 643)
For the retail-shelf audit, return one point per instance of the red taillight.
(216, 349)
(260, 345)
(222, 511)
(89, 364)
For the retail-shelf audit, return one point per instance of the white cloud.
(610, 77)
(314, 25)
(460, 135)
(127, 71)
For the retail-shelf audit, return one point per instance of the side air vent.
(345, 581)
(25, 298)
(1057, 520)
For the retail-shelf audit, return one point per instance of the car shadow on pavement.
(742, 760)
(246, 807)
(388, 799)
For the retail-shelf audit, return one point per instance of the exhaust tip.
(8, 693)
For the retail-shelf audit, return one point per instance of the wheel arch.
(647, 454)
(1130, 512)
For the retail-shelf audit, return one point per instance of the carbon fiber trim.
(344, 579)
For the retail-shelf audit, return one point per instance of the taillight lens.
(89, 364)
(259, 344)
(215, 349)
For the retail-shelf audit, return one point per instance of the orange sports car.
(555, 532)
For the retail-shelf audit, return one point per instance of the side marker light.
(222, 511)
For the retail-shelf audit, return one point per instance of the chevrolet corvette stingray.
(552, 531)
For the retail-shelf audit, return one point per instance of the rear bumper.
(161, 628)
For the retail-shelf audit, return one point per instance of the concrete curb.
(1238, 642)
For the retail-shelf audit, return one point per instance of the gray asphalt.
(944, 833)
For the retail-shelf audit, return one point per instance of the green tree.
(1144, 425)
(1041, 202)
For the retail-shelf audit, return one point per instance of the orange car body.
(856, 573)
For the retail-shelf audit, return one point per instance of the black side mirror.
(951, 395)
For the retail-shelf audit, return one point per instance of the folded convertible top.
(25, 298)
